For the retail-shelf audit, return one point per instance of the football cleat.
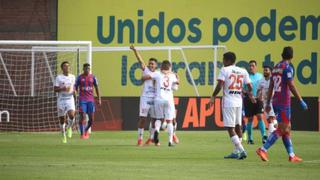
(69, 132)
(295, 159)
(263, 155)
(232, 156)
(175, 139)
(140, 143)
(242, 155)
(64, 139)
(171, 144)
(149, 141)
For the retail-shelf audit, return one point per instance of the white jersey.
(148, 85)
(65, 81)
(264, 87)
(233, 77)
(164, 84)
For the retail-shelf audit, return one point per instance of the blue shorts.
(86, 107)
(283, 113)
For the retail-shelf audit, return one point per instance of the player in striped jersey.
(85, 84)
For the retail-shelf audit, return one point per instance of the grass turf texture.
(114, 155)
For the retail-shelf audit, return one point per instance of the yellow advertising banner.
(252, 29)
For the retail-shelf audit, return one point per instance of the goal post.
(27, 74)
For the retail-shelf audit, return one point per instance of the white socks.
(271, 128)
(170, 131)
(140, 133)
(63, 128)
(236, 141)
(70, 122)
(157, 125)
(151, 133)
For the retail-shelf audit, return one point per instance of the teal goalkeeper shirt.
(255, 78)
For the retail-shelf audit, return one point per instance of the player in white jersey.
(64, 86)
(232, 79)
(262, 93)
(146, 98)
(164, 102)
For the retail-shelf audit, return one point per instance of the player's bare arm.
(98, 94)
(59, 89)
(216, 92)
(138, 56)
(296, 94)
(249, 92)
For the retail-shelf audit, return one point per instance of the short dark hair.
(267, 66)
(253, 61)
(287, 52)
(166, 64)
(63, 63)
(86, 65)
(230, 56)
(153, 59)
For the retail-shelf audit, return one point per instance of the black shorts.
(251, 109)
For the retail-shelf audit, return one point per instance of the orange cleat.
(295, 159)
(140, 143)
(263, 155)
(175, 139)
(149, 141)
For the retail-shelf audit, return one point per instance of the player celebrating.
(281, 84)
(147, 97)
(262, 93)
(84, 84)
(231, 79)
(64, 84)
(252, 109)
(164, 102)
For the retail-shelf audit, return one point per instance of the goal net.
(27, 73)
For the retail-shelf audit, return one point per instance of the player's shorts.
(87, 107)
(252, 109)
(146, 107)
(270, 113)
(232, 116)
(65, 105)
(283, 113)
(164, 109)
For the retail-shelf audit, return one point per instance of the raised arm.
(138, 56)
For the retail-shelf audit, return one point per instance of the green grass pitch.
(113, 155)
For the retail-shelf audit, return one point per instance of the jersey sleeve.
(154, 75)
(77, 84)
(222, 74)
(288, 73)
(246, 77)
(95, 81)
(56, 83)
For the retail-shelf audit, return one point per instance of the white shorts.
(232, 116)
(269, 114)
(164, 109)
(65, 105)
(146, 107)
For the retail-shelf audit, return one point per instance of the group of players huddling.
(242, 92)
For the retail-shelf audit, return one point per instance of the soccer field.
(113, 155)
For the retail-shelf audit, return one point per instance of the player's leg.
(229, 121)
(143, 114)
(71, 117)
(159, 112)
(90, 112)
(169, 116)
(151, 124)
(151, 131)
(262, 151)
(271, 118)
(83, 108)
(261, 125)
(286, 139)
(71, 111)
(248, 107)
(62, 118)
(244, 127)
